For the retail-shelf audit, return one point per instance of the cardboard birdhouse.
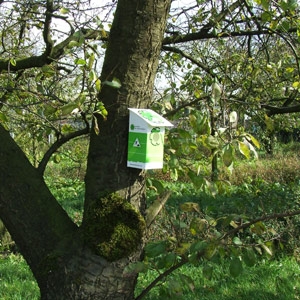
(146, 139)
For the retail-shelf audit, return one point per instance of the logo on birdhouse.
(136, 143)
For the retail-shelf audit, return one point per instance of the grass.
(281, 167)
(16, 279)
(265, 186)
(267, 280)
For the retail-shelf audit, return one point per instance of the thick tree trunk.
(88, 262)
(88, 276)
(31, 214)
(132, 57)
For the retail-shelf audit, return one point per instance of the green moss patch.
(114, 228)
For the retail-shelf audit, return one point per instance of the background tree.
(50, 84)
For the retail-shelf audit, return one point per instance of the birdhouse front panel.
(146, 139)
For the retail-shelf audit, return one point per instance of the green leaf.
(243, 148)
(210, 250)
(3, 118)
(236, 267)
(198, 225)
(68, 108)
(190, 207)
(269, 123)
(49, 110)
(13, 62)
(80, 61)
(228, 155)
(174, 174)
(236, 240)
(98, 85)
(64, 10)
(138, 267)
(267, 247)
(115, 83)
(158, 185)
(56, 158)
(265, 4)
(72, 44)
(296, 85)
(91, 61)
(253, 140)
(216, 91)
(154, 249)
(166, 261)
(211, 142)
(249, 258)
(80, 99)
(48, 71)
(198, 246)
(197, 180)
(101, 110)
(182, 248)
(200, 123)
(92, 75)
(258, 228)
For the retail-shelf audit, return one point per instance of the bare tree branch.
(273, 110)
(47, 27)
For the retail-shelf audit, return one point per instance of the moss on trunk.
(115, 228)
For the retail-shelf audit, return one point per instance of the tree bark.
(131, 57)
(69, 262)
(33, 217)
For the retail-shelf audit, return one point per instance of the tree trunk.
(131, 57)
(88, 276)
(69, 262)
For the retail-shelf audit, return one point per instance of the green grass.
(267, 280)
(253, 196)
(16, 279)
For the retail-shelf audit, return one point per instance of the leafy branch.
(200, 251)
(260, 219)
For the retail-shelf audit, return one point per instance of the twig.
(263, 218)
(160, 278)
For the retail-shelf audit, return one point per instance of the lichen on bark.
(114, 228)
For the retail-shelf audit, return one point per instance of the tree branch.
(263, 218)
(195, 101)
(184, 259)
(47, 27)
(176, 39)
(273, 110)
(64, 139)
(160, 277)
(189, 57)
(45, 58)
